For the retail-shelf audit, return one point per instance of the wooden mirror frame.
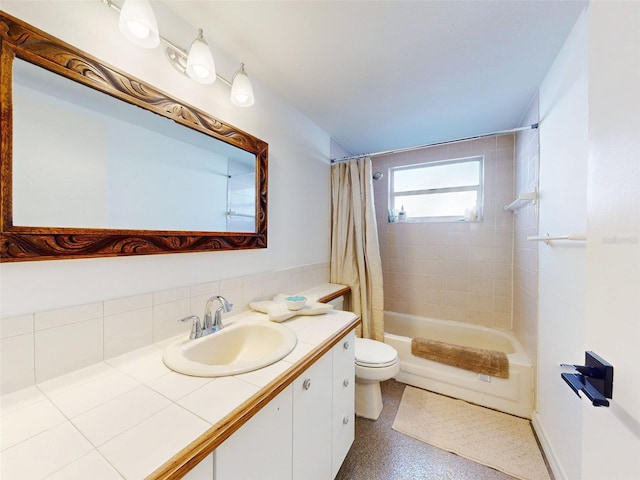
(19, 243)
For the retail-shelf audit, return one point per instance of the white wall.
(590, 180)
(611, 436)
(561, 276)
(299, 179)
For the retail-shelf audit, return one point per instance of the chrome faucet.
(209, 324)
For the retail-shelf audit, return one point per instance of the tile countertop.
(132, 417)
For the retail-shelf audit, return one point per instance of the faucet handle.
(196, 330)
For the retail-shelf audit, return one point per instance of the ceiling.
(381, 75)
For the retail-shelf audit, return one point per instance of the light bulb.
(200, 70)
(241, 90)
(138, 23)
(138, 29)
(200, 66)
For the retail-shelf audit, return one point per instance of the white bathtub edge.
(487, 400)
(513, 395)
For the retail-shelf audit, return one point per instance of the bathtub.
(513, 395)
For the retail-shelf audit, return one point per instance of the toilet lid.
(374, 354)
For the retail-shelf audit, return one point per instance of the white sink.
(238, 348)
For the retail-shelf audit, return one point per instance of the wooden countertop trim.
(196, 451)
(334, 295)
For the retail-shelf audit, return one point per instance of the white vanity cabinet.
(261, 448)
(302, 434)
(202, 471)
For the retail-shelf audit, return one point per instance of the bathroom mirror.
(97, 163)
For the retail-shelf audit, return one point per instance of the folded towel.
(278, 311)
(487, 362)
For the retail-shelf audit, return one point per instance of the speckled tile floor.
(380, 453)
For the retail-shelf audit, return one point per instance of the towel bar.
(580, 237)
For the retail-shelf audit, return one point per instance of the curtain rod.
(533, 126)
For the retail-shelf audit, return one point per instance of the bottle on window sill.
(471, 214)
(402, 215)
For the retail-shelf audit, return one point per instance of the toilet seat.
(373, 354)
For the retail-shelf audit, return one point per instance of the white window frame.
(479, 188)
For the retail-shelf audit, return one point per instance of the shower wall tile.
(505, 142)
(480, 318)
(458, 283)
(452, 270)
(481, 288)
(502, 320)
(525, 254)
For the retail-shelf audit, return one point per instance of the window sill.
(437, 220)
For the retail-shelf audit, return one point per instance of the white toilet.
(375, 363)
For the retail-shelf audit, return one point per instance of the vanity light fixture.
(200, 66)
(138, 25)
(241, 91)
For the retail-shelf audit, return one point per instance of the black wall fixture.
(594, 378)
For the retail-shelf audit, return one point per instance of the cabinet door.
(343, 401)
(202, 471)
(261, 448)
(312, 397)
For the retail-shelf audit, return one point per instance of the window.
(448, 191)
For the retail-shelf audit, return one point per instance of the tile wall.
(43, 345)
(452, 270)
(525, 260)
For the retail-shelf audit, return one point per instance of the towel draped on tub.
(487, 362)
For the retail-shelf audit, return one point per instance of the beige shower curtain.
(355, 252)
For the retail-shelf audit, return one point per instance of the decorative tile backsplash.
(43, 345)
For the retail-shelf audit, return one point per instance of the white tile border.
(188, 300)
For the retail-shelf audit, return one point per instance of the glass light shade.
(138, 23)
(241, 90)
(200, 66)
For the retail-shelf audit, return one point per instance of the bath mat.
(495, 439)
(478, 360)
